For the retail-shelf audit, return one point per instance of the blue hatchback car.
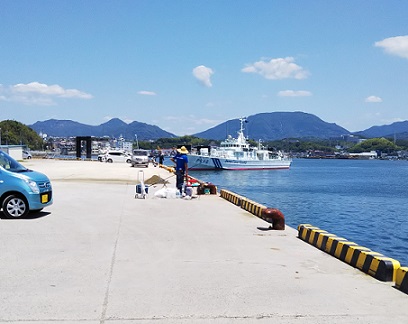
(22, 190)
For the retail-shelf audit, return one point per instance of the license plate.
(44, 198)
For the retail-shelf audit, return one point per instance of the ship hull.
(199, 162)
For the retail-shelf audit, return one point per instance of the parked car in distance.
(27, 155)
(140, 158)
(115, 156)
(22, 190)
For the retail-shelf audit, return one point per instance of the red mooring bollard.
(275, 217)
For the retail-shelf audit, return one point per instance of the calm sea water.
(363, 201)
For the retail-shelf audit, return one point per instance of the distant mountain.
(113, 128)
(397, 129)
(276, 126)
(264, 126)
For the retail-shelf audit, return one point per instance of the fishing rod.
(174, 174)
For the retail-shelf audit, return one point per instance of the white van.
(117, 156)
(27, 155)
(140, 158)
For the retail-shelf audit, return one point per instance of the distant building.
(364, 155)
(126, 146)
(15, 151)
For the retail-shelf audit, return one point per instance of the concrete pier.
(98, 255)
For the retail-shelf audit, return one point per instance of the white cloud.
(49, 90)
(276, 69)
(395, 45)
(36, 93)
(203, 75)
(146, 93)
(373, 99)
(294, 93)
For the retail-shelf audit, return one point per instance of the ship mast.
(241, 136)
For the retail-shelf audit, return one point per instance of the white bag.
(169, 193)
(161, 193)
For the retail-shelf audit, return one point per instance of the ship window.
(239, 154)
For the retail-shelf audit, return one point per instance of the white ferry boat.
(237, 154)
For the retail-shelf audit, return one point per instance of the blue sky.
(186, 66)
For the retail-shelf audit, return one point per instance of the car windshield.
(8, 163)
(140, 153)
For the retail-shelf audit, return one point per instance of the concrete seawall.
(98, 255)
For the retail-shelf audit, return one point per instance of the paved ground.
(98, 255)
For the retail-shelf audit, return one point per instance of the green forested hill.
(16, 133)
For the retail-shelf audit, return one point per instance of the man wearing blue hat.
(181, 162)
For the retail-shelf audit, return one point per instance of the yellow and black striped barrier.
(232, 197)
(401, 282)
(243, 202)
(372, 263)
(253, 207)
(271, 215)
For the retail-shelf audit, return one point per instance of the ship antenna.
(242, 120)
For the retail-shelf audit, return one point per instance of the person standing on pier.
(181, 162)
(161, 157)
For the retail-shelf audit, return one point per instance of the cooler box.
(139, 189)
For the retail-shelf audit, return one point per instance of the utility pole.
(137, 142)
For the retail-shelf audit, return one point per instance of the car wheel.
(128, 161)
(28, 157)
(15, 206)
(110, 161)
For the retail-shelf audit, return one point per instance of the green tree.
(16, 133)
(402, 143)
(297, 145)
(171, 142)
(375, 144)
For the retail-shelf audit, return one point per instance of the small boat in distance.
(237, 154)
